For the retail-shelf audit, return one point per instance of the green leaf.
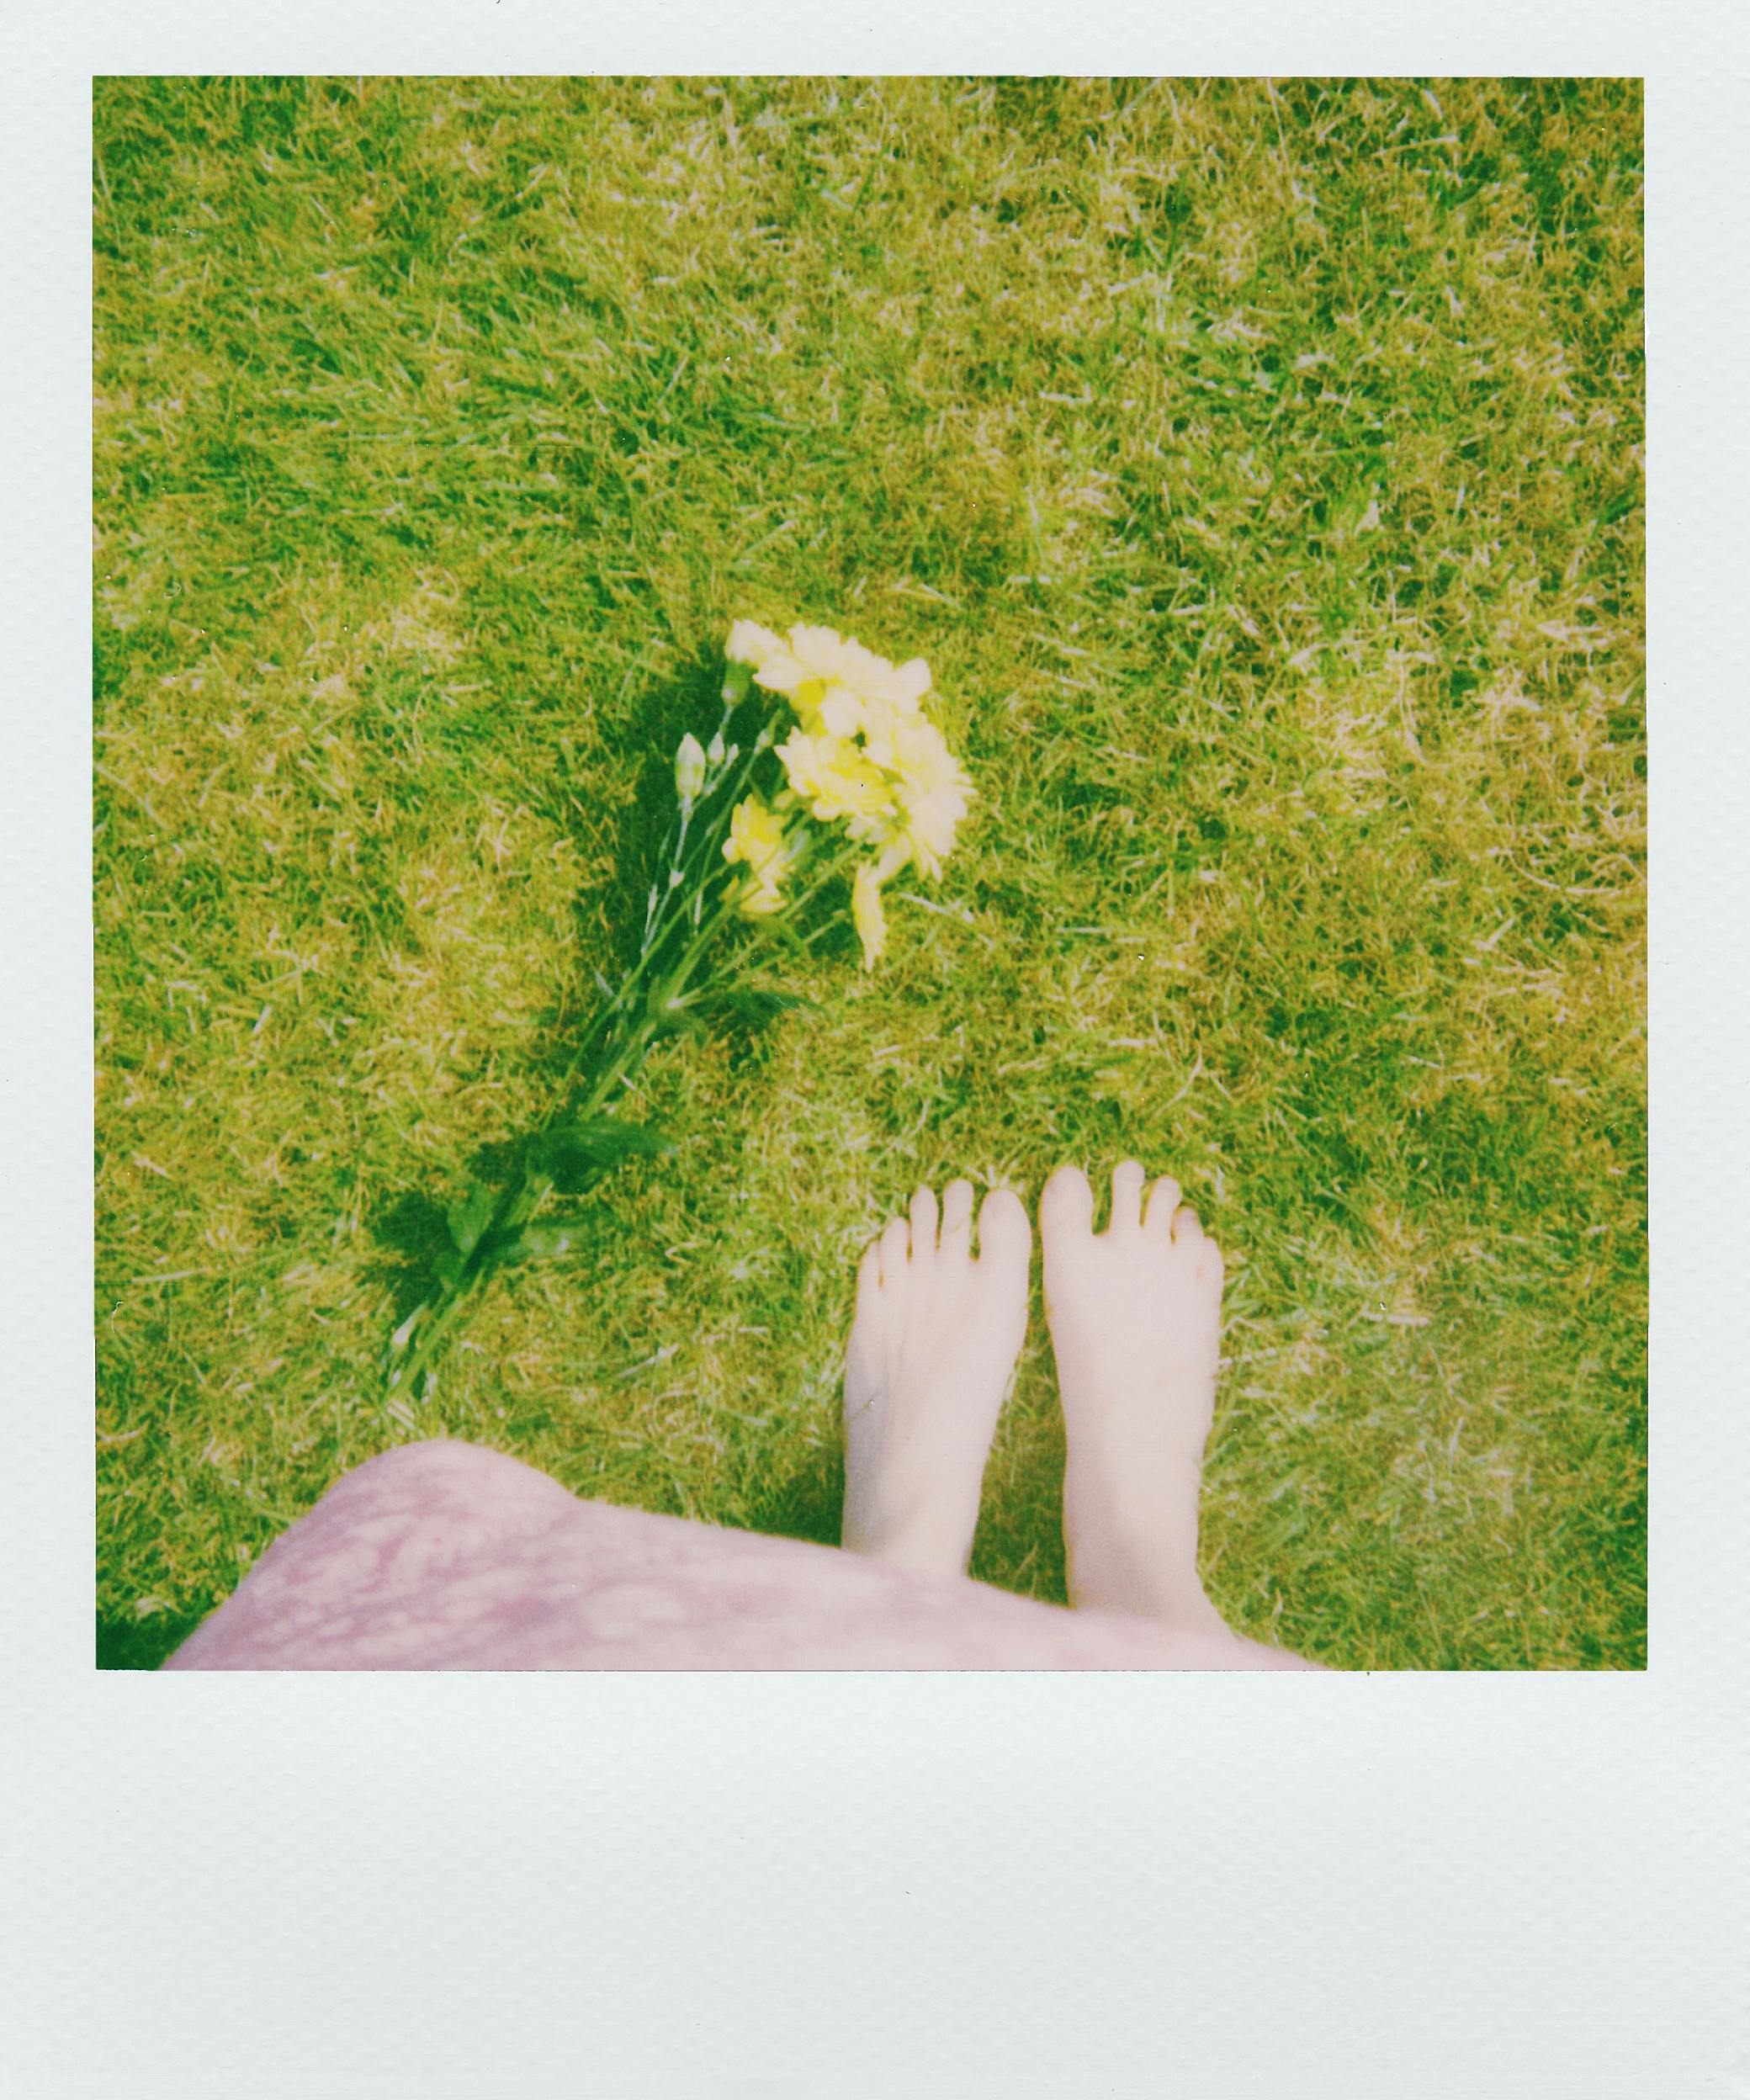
(677, 1020)
(777, 925)
(595, 1141)
(469, 1216)
(757, 1003)
(546, 1243)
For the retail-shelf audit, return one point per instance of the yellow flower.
(866, 910)
(934, 793)
(750, 644)
(895, 854)
(881, 726)
(756, 837)
(829, 681)
(833, 708)
(836, 659)
(773, 665)
(837, 781)
(864, 754)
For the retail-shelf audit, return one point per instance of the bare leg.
(932, 1354)
(1135, 1318)
(444, 1557)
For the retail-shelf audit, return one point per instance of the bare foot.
(1134, 1313)
(932, 1349)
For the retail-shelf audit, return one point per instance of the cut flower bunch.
(848, 775)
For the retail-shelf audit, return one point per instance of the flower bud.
(689, 767)
(737, 678)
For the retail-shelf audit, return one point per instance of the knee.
(445, 1471)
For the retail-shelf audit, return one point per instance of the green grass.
(1260, 472)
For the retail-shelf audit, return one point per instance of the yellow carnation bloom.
(828, 679)
(839, 711)
(864, 753)
(834, 659)
(895, 854)
(881, 726)
(774, 667)
(756, 837)
(835, 779)
(865, 911)
(934, 792)
(750, 644)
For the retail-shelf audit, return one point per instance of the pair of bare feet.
(1134, 1314)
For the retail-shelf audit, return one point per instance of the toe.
(1187, 1227)
(1004, 1236)
(1162, 1202)
(956, 1217)
(895, 1240)
(923, 1223)
(1128, 1180)
(1066, 1208)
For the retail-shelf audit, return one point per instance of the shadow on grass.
(140, 1644)
(808, 1502)
(411, 1228)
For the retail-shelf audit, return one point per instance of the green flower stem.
(431, 1321)
(711, 838)
(620, 1037)
(672, 851)
(671, 899)
(621, 1005)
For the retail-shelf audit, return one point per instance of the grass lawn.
(1259, 470)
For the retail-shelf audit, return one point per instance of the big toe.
(1005, 1239)
(1066, 1209)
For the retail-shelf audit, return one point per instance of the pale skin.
(1134, 1313)
(443, 1555)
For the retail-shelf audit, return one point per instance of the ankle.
(1131, 1545)
(928, 1540)
(1152, 1503)
(1141, 1588)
